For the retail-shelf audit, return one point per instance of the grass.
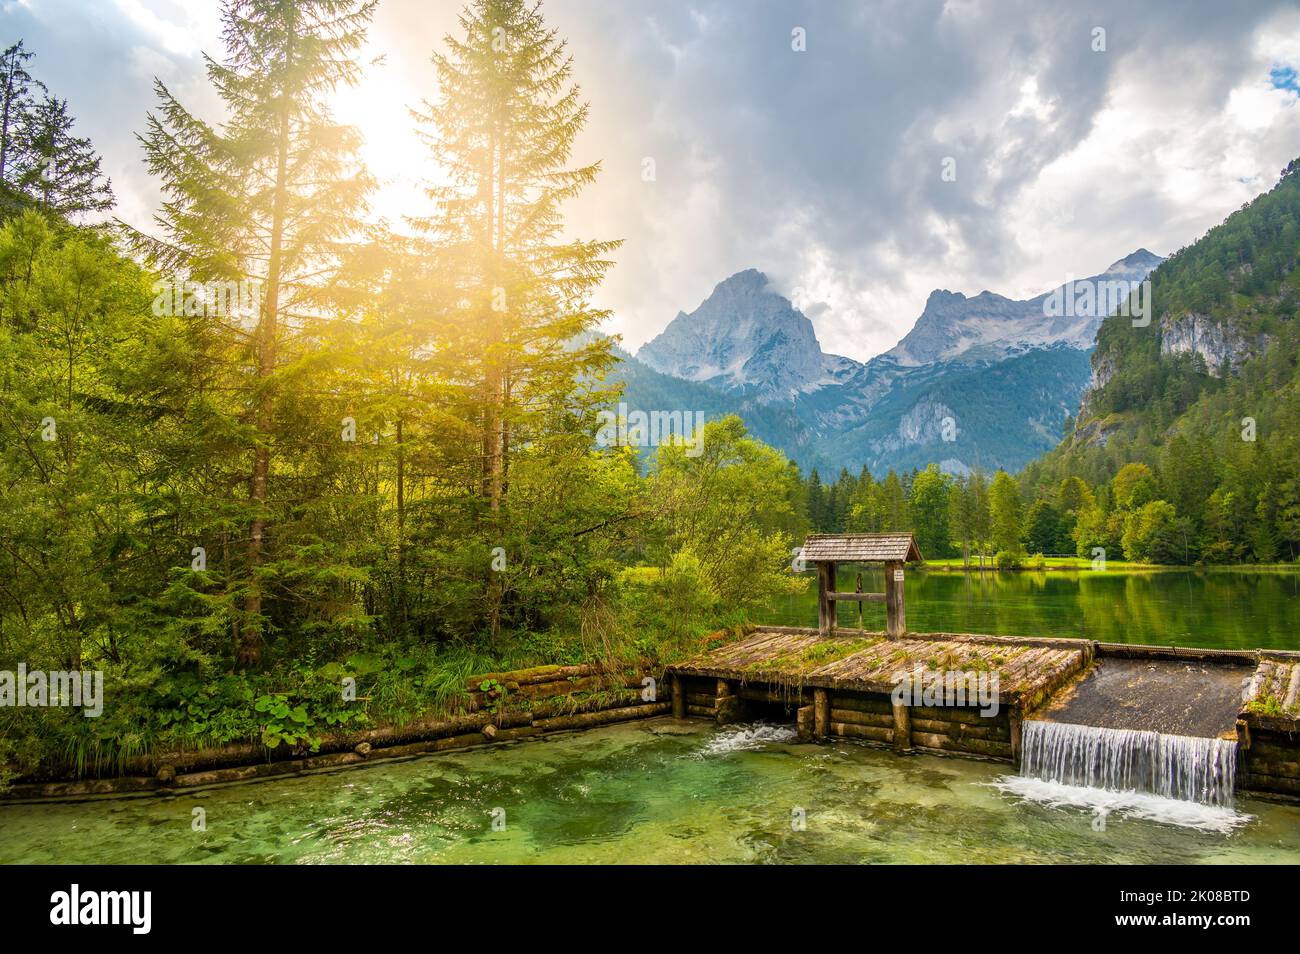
(1112, 566)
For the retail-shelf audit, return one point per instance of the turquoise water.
(1229, 608)
(648, 792)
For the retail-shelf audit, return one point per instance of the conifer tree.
(15, 104)
(57, 169)
(266, 198)
(503, 129)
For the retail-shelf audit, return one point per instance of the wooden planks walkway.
(1028, 669)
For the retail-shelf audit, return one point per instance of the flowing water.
(1174, 779)
(1220, 607)
(1171, 766)
(652, 792)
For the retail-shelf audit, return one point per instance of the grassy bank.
(1112, 566)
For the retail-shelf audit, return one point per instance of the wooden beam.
(895, 615)
(902, 728)
(821, 713)
(727, 703)
(825, 605)
(857, 597)
(804, 720)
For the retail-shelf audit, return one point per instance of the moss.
(1265, 705)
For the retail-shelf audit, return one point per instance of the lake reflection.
(1229, 608)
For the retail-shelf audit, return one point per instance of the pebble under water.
(643, 792)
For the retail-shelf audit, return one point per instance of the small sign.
(898, 576)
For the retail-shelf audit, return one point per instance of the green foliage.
(929, 509)
(1009, 559)
(1005, 514)
(1221, 452)
(730, 508)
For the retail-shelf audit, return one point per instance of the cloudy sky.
(822, 166)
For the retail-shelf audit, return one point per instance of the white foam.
(1102, 802)
(753, 736)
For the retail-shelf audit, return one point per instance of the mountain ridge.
(921, 401)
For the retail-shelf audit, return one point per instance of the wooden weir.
(843, 685)
(846, 684)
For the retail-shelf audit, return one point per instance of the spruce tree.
(15, 104)
(503, 129)
(58, 170)
(265, 198)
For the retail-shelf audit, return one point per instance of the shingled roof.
(860, 548)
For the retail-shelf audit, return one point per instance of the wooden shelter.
(828, 550)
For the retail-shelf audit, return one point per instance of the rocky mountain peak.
(744, 335)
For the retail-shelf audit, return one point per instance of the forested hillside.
(1189, 439)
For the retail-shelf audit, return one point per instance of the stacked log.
(554, 699)
(1272, 762)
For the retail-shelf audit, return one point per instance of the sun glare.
(379, 107)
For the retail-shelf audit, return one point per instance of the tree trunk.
(249, 650)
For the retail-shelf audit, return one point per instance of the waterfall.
(1122, 760)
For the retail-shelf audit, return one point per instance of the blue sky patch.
(1284, 77)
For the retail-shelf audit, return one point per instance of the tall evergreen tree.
(265, 198)
(893, 504)
(818, 503)
(981, 517)
(15, 104)
(57, 169)
(503, 128)
(961, 516)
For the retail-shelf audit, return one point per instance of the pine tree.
(57, 169)
(503, 128)
(265, 199)
(982, 521)
(894, 515)
(818, 503)
(961, 516)
(15, 104)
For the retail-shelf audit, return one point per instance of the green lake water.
(648, 792)
(1229, 608)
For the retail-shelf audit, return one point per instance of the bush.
(1008, 560)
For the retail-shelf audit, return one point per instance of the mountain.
(984, 381)
(748, 338)
(954, 327)
(1210, 384)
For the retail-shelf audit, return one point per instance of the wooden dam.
(971, 695)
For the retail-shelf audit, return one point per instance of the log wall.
(1270, 757)
(952, 730)
(528, 703)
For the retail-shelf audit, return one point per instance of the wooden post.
(1016, 719)
(825, 605)
(895, 615)
(727, 705)
(902, 728)
(821, 713)
(679, 698)
(805, 721)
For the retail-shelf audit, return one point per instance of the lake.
(648, 792)
(1228, 608)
